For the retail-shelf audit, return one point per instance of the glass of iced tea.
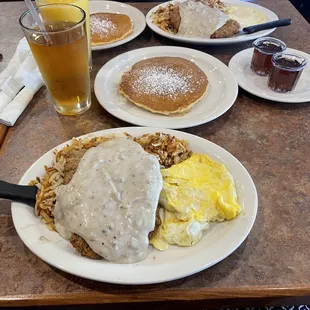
(61, 52)
(83, 4)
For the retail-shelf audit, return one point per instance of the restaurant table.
(271, 267)
(3, 131)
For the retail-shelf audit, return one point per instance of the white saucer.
(136, 16)
(257, 85)
(221, 94)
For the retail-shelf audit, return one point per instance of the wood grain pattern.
(269, 138)
(158, 295)
(3, 131)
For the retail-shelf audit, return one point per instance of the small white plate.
(258, 85)
(136, 16)
(271, 16)
(221, 94)
(219, 241)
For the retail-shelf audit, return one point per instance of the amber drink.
(61, 53)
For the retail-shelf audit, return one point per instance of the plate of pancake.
(114, 23)
(166, 87)
(208, 21)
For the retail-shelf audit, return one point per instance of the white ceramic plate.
(221, 94)
(218, 242)
(136, 16)
(258, 85)
(197, 40)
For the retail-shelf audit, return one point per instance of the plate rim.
(203, 41)
(127, 39)
(276, 96)
(139, 131)
(140, 121)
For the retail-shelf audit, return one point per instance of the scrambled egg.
(246, 16)
(195, 192)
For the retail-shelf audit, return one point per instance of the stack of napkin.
(19, 81)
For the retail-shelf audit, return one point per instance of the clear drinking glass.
(63, 62)
(84, 5)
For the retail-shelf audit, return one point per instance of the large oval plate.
(220, 96)
(136, 16)
(271, 16)
(218, 242)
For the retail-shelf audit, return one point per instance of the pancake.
(107, 28)
(164, 85)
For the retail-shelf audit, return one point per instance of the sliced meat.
(73, 158)
(157, 224)
(230, 28)
(83, 248)
(175, 17)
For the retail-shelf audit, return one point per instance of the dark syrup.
(261, 60)
(285, 75)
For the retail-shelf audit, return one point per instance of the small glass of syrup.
(264, 49)
(286, 71)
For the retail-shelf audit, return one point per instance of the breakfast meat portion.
(111, 200)
(175, 17)
(169, 151)
(199, 20)
(191, 18)
(157, 223)
(230, 28)
(164, 85)
(82, 247)
(206, 18)
(73, 157)
(72, 161)
(165, 147)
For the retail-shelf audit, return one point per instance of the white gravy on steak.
(111, 200)
(200, 20)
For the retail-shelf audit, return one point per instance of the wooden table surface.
(270, 139)
(3, 131)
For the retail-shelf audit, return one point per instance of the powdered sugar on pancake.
(164, 85)
(101, 27)
(162, 81)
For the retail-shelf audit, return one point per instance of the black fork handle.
(20, 193)
(277, 23)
